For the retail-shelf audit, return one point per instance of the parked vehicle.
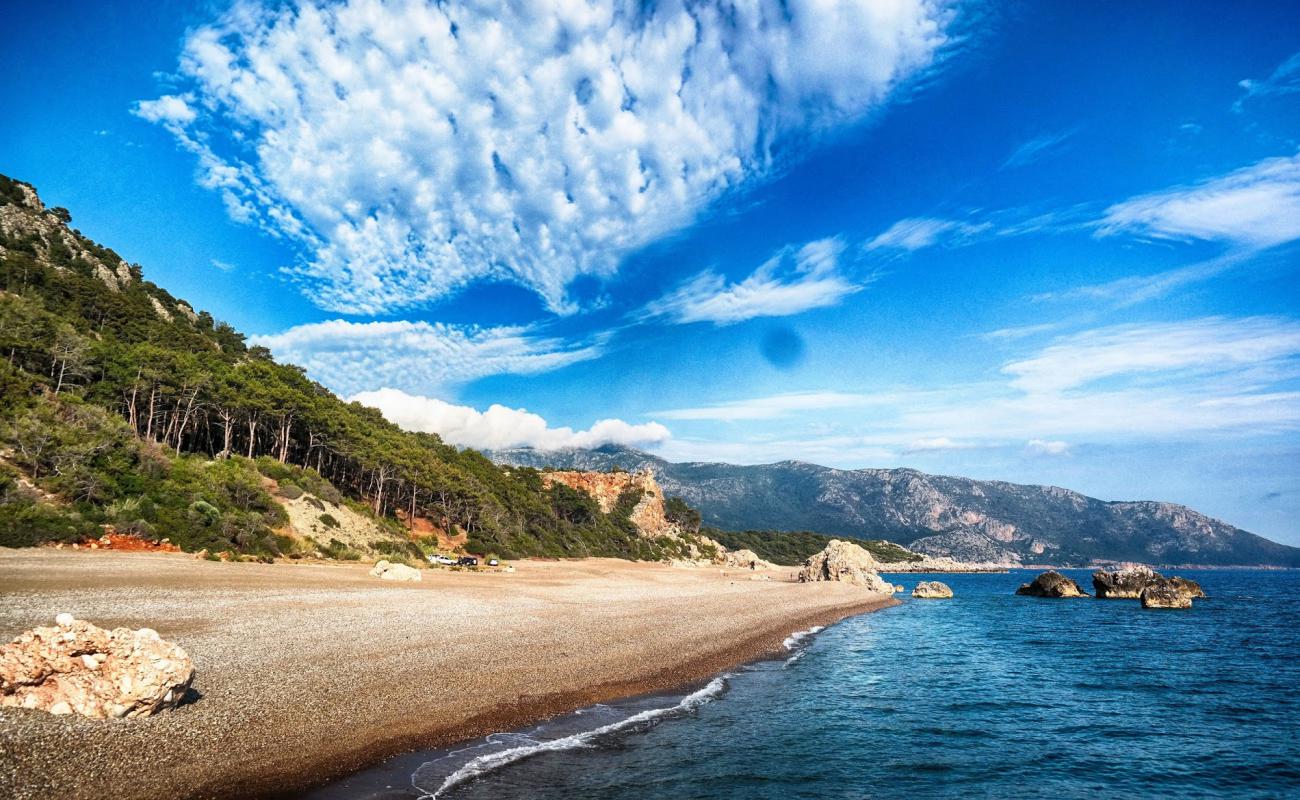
(441, 559)
(467, 561)
(492, 562)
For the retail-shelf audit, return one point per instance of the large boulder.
(78, 668)
(388, 571)
(1052, 584)
(846, 562)
(1170, 593)
(745, 559)
(932, 590)
(1126, 583)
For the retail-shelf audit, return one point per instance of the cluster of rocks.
(75, 667)
(1145, 584)
(845, 562)
(388, 571)
(1137, 582)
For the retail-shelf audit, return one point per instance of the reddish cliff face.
(607, 487)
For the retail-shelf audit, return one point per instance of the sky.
(1038, 242)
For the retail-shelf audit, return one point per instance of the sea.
(986, 695)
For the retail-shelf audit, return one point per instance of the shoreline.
(309, 674)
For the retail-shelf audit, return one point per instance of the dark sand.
(311, 672)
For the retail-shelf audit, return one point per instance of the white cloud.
(1017, 332)
(224, 266)
(501, 427)
(1038, 147)
(1201, 346)
(1044, 447)
(170, 110)
(788, 283)
(935, 443)
(1255, 207)
(1135, 289)
(411, 148)
(350, 357)
(772, 407)
(917, 233)
(1284, 80)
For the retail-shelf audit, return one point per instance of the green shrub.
(328, 521)
(290, 491)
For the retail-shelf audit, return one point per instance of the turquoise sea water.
(986, 695)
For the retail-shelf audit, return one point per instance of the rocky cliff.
(608, 487)
(969, 520)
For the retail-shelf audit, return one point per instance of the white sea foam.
(481, 765)
(792, 641)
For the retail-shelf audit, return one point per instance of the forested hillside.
(120, 404)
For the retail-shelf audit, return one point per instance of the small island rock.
(1052, 584)
(932, 590)
(1126, 583)
(847, 562)
(75, 667)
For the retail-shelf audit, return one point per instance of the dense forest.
(119, 404)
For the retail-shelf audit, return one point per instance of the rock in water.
(844, 561)
(1170, 593)
(1052, 584)
(1165, 594)
(1126, 583)
(78, 668)
(388, 571)
(932, 590)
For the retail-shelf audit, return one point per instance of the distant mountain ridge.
(966, 519)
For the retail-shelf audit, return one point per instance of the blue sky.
(1039, 242)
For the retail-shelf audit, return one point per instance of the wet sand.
(308, 672)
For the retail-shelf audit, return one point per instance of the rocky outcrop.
(846, 562)
(78, 668)
(1052, 584)
(1164, 593)
(388, 571)
(607, 487)
(1126, 583)
(745, 559)
(1133, 581)
(932, 590)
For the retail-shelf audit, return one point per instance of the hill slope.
(967, 519)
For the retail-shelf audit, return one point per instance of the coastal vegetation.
(120, 405)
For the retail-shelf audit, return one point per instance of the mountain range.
(970, 520)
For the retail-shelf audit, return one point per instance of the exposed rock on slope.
(608, 487)
(322, 521)
(78, 668)
(969, 520)
(847, 562)
(1052, 584)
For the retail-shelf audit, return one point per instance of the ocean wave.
(792, 641)
(490, 762)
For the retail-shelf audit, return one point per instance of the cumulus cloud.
(170, 110)
(501, 427)
(350, 357)
(917, 233)
(791, 281)
(1044, 447)
(1254, 207)
(412, 147)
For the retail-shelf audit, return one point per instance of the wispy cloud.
(418, 357)
(1285, 79)
(412, 148)
(916, 233)
(1135, 289)
(770, 407)
(1044, 447)
(1019, 332)
(792, 281)
(224, 266)
(500, 427)
(1038, 147)
(1256, 207)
